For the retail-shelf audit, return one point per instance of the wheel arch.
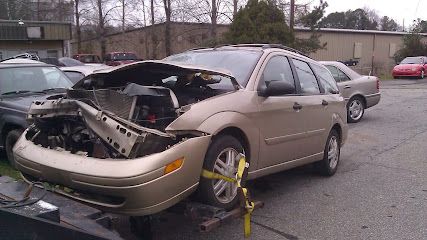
(239, 126)
(7, 127)
(337, 127)
(358, 95)
(240, 135)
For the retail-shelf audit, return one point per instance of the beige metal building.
(373, 50)
(46, 39)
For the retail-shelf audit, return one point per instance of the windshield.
(124, 56)
(412, 60)
(70, 62)
(240, 63)
(32, 79)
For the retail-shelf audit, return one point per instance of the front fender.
(223, 120)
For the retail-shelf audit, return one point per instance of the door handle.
(297, 106)
(325, 103)
(347, 87)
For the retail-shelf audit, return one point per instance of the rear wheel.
(11, 139)
(221, 158)
(355, 109)
(331, 155)
(422, 74)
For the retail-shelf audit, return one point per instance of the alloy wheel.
(356, 109)
(226, 165)
(333, 152)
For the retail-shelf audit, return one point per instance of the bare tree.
(168, 12)
(79, 10)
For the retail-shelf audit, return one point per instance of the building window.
(52, 53)
(357, 50)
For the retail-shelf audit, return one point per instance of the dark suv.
(20, 85)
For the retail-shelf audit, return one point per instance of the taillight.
(378, 84)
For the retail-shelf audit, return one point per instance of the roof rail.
(265, 46)
(285, 48)
(23, 56)
(260, 45)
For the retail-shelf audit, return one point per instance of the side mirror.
(276, 88)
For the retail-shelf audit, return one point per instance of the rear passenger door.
(313, 113)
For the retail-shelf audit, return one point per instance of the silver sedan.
(360, 92)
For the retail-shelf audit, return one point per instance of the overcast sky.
(397, 9)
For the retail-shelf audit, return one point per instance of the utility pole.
(292, 16)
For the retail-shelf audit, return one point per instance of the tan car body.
(276, 137)
(357, 85)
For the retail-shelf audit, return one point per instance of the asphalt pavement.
(378, 192)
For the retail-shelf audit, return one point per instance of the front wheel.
(331, 155)
(221, 158)
(11, 138)
(355, 109)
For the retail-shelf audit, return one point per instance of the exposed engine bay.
(102, 120)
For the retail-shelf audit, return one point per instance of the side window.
(326, 79)
(338, 75)
(278, 69)
(306, 77)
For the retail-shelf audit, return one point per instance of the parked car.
(62, 62)
(360, 92)
(119, 58)
(134, 139)
(87, 58)
(77, 73)
(411, 67)
(20, 84)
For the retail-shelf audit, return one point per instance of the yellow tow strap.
(245, 199)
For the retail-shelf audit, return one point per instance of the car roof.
(23, 65)
(21, 61)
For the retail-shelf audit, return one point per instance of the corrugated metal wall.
(375, 49)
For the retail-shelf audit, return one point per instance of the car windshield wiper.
(15, 92)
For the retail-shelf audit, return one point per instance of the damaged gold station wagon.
(134, 139)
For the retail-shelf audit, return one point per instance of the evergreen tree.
(259, 22)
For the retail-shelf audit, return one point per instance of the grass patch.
(7, 170)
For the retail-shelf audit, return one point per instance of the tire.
(226, 193)
(355, 109)
(11, 139)
(331, 155)
(422, 74)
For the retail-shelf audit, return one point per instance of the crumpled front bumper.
(128, 186)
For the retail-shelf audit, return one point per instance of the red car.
(411, 67)
(119, 58)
